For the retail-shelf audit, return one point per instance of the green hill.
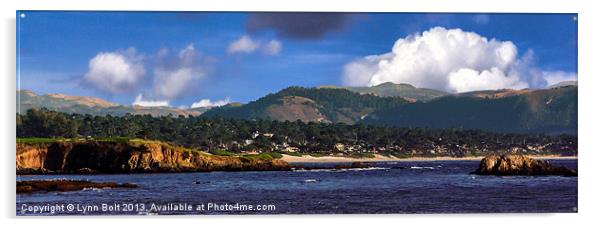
(389, 89)
(309, 104)
(552, 110)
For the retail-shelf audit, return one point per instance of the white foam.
(339, 170)
(422, 167)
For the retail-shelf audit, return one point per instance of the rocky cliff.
(502, 165)
(128, 157)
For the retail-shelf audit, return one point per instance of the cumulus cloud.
(209, 103)
(465, 80)
(140, 101)
(446, 59)
(301, 26)
(115, 72)
(361, 71)
(243, 45)
(247, 45)
(273, 47)
(175, 74)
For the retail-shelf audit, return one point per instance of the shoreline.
(380, 158)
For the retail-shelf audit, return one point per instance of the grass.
(249, 157)
(221, 152)
(275, 155)
(51, 140)
(362, 155)
(262, 156)
(115, 139)
(105, 139)
(36, 140)
(126, 140)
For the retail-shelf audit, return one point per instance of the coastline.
(380, 158)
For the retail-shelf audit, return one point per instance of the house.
(339, 147)
(257, 134)
(291, 149)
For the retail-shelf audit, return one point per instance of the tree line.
(268, 135)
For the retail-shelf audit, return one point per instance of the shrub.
(362, 155)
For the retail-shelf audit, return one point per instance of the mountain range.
(389, 89)
(27, 99)
(551, 110)
(548, 110)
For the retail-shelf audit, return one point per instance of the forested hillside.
(310, 104)
(237, 135)
(551, 110)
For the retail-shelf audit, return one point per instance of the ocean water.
(388, 187)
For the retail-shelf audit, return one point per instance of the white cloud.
(273, 47)
(140, 101)
(171, 83)
(446, 59)
(175, 74)
(243, 45)
(555, 77)
(115, 72)
(246, 45)
(209, 103)
(361, 71)
(465, 80)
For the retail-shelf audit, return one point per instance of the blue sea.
(387, 187)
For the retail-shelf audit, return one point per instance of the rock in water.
(504, 165)
(65, 185)
(354, 165)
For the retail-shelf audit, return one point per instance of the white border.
(589, 110)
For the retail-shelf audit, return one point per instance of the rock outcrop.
(353, 165)
(503, 165)
(65, 185)
(128, 157)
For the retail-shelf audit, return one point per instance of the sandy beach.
(380, 158)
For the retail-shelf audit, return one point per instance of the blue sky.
(56, 51)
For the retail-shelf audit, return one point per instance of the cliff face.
(124, 157)
(520, 165)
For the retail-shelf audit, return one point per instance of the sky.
(198, 59)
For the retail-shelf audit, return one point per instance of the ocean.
(387, 187)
